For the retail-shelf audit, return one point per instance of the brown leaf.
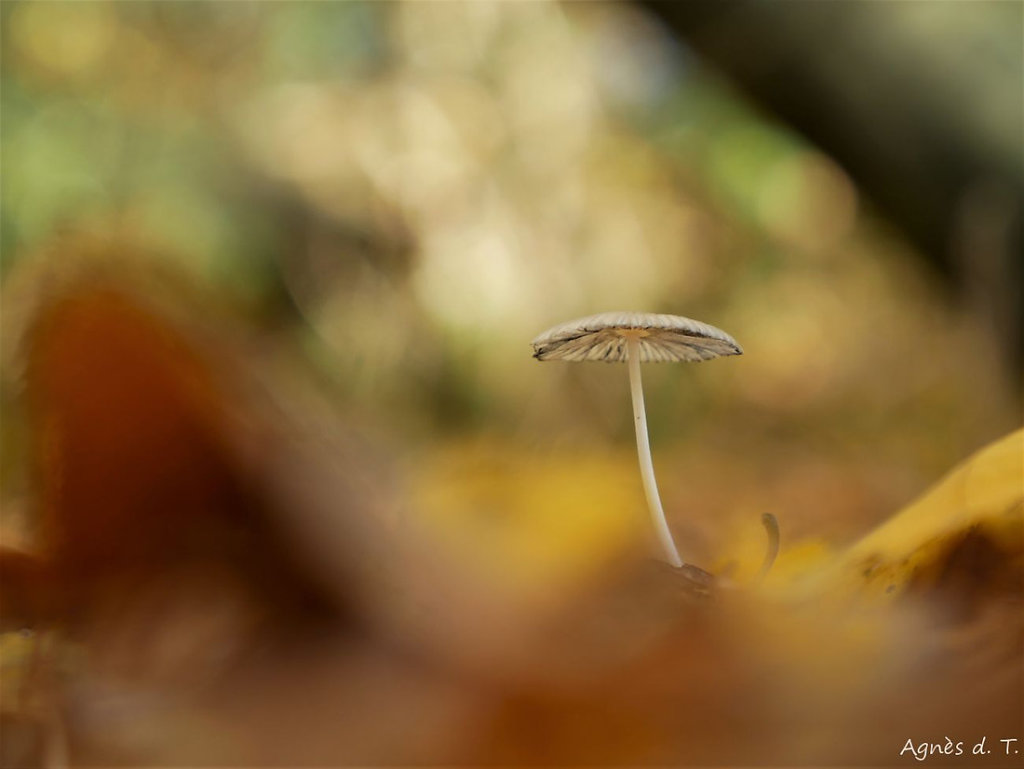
(145, 501)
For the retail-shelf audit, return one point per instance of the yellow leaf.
(983, 497)
(538, 524)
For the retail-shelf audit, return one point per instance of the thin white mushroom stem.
(643, 449)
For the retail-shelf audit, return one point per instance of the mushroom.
(771, 528)
(637, 337)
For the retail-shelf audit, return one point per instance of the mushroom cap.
(662, 338)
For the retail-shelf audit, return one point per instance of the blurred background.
(407, 193)
(402, 195)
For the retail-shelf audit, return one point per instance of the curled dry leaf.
(966, 531)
